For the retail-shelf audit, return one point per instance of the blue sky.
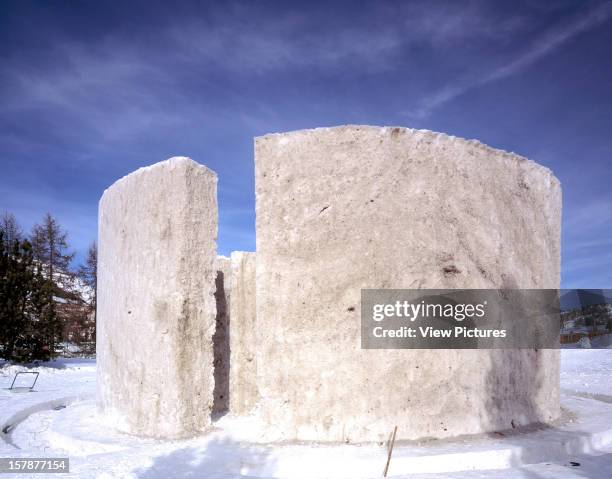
(91, 91)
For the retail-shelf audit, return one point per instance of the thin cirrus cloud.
(116, 89)
(545, 44)
(310, 41)
(250, 50)
(105, 93)
(587, 243)
(115, 92)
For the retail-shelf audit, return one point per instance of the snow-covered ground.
(58, 419)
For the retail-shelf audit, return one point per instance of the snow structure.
(156, 307)
(243, 371)
(338, 210)
(345, 208)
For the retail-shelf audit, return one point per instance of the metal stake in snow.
(390, 451)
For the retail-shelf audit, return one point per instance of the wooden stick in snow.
(390, 451)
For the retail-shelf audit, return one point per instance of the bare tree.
(11, 229)
(50, 247)
(88, 272)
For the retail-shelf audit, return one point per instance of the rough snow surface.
(59, 419)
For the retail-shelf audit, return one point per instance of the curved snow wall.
(157, 267)
(346, 208)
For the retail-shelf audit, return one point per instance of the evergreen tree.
(16, 282)
(7, 300)
(44, 328)
(29, 327)
(50, 247)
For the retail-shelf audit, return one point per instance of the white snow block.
(346, 208)
(156, 305)
(243, 371)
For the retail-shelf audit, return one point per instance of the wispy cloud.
(105, 90)
(244, 48)
(587, 244)
(288, 41)
(545, 44)
(589, 215)
(118, 89)
(449, 25)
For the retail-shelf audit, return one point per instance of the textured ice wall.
(340, 209)
(243, 371)
(156, 309)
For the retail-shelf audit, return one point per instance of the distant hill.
(578, 298)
